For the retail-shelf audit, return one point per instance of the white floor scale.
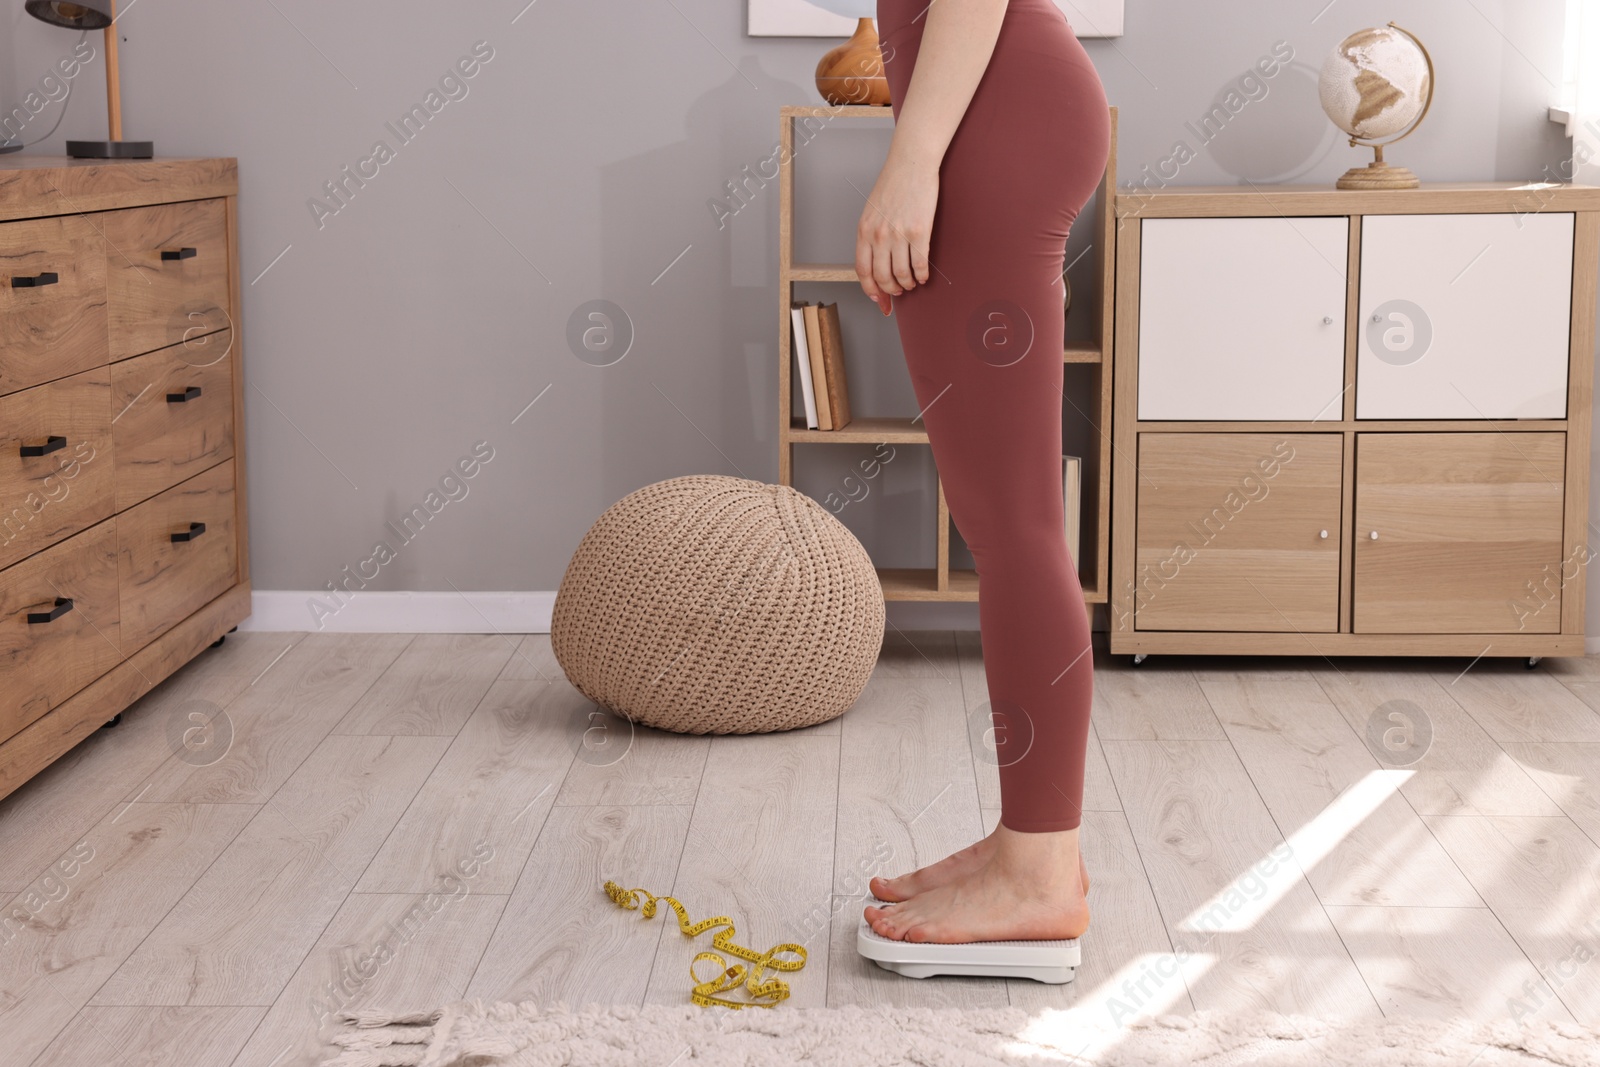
(1052, 962)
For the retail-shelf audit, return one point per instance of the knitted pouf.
(718, 605)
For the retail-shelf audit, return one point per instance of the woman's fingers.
(883, 264)
(900, 264)
(864, 266)
(919, 260)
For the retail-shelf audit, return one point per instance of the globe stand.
(1378, 175)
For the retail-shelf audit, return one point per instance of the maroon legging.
(983, 342)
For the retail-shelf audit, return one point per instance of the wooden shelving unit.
(939, 582)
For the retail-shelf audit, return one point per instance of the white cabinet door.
(1464, 316)
(1242, 318)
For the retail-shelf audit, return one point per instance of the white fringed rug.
(476, 1034)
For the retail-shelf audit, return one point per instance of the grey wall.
(430, 310)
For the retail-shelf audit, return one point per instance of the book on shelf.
(833, 364)
(802, 361)
(1072, 495)
(819, 372)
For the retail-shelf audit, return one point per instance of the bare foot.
(953, 866)
(1028, 891)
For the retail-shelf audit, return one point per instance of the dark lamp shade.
(87, 15)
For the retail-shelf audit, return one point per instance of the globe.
(1377, 83)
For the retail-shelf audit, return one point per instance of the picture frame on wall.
(837, 18)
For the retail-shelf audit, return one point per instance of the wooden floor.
(399, 821)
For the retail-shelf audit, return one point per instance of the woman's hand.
(896, 225)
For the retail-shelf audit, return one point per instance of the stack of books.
(819, 358)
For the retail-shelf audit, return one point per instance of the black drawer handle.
(52, 444)
(195, 530)
(184, 397)
(63, 605)
(23, 281)
(178, 253)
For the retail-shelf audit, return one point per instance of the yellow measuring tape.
(762, 994)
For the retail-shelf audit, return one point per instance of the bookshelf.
(939, 582)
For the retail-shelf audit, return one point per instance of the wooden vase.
(853, 72)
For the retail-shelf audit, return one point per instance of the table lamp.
(95, 15)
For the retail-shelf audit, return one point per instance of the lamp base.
(111, 149)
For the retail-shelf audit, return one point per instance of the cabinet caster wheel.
(1138, 659)
(218, 642)
(1533, 661)
(109, 723)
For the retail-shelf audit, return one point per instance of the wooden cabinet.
(1458, 532)
(122, 505)
(1238, 531)
(1464, 316)
(1241, 318)
(1440, 427)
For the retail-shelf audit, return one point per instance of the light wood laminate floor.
(300, 823)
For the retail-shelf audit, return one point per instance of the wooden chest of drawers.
(122, 502)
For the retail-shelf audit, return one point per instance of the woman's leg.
(994, 424)
(983, 343)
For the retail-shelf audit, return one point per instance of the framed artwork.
(837, 18)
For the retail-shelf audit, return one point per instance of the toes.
(882, 922)
(886, 889)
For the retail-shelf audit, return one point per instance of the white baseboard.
(515, 613)
(400, 612)
(485, 613)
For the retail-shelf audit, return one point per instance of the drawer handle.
(23, 281)
(1323, 535)
(52, 444)
(63, 605)
(184, 397)
(178, 253)
(195, 530)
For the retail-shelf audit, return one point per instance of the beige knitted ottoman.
(718, 605)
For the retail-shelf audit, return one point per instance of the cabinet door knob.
(1376, 317)
(1323, 535)
(1327, 320)
(1373, 535)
